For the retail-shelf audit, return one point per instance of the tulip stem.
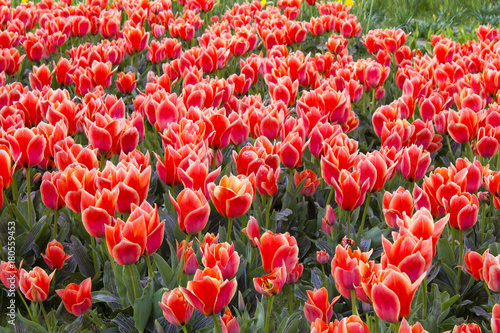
(488, 292)
(460, 256)
(450, 156)
(290, 299)
(424, 297)
(348, 224)
(89, 317)
(94, 258)
(270, 301)
(13, 185)
(25, 304)
(229, 227)
(150, 269)
(56, 217)
(216, 324)
(184, 329)
(103, 162)
(324, 274)
(28, 190)
(134, 284)
(329, 196)
(367, 203)
(268, 210)
(214, 161)
(45, 316)
(483, 222)
(353, 302)
(290, 181)
(182, 259)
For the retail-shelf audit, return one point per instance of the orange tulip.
(175, 307)
(233, 196)
(126, 241)
(352, 324)
(77, 299)
(35, 284)
(272, 283)
(318, 306)
(277, 250)
(349, 190)
(54, 255)
(223, 256)
(192, 209)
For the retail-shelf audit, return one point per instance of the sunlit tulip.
(223, 256)
(154, 228)
(474, 264)
(175, 307)
(233, 196)
(54, 255)
(192, 209)
(77, 299)
(9, 274)
(277, 250)
(318, 306)
(229, 324)
(272, 283)
(126, 241)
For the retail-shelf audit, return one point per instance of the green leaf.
(445, 252)
(120, 284)
(142, 308)
(167, 274)
(104, 296)
(29, 325)
(132, 282)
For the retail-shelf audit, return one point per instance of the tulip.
(208, 292)
(318, 306)
(395, 205)
(97, 210)
(154, 228)
(126, 241)
(328, 221)
(229, 324)
(406, 328)
(187, 257)
(126, 82)
(467, 328)
(311, 181)
(176, 308)
(463, 209)
(77, 298)
(54, 255)
(292, 278)
(27, 147)
(495, 319)
(267, 180)
(352, 324)
(192, 210)
(272, 283)
(291, 150)
(491, 269)
(101, 73)
(322, 258)
(197, 176)
(474, 264)
(35, 284)
(137, 39)
(252, 231)
(462, 125)
(9, 274)
(392, 294)
(320, 326)
(223, 256)
(40, 77)
(277, 250)
(414, 163)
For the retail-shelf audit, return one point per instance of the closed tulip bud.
(26, 147)
(77, 299)
(9, 274)
(190, 264)
(229, 324)
(294, 275)
(192, 209)
(272, 283)
(252, 231)
(233, 196)
(48, 190)
(392, 294)
(155, 228)
(474, 264)
(267, 180)
(322, 257)
(311, 183)
(208, 292)
(224, 257)
(176, 308)
(126, 241)
(349, 190)
(35, 284)
(318, 306)
(54, 255)
(495, 319)
(414, 163)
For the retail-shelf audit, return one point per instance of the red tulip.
(322, 258)
(311, 183)
(35, 284)
(126, 82)
(392, 294)
(352, 324)
(349, 191)
(126, 241)
(6, 169)
(223, 256)
(64, 69)
(137, 39)
(318, 306)
(27, 147)
(284, 90)
(406, 328)
(233, 196)
(176, 308)
(411, 255)
(294, 275)
(345, 270)
(272, 283)
(267, 180)
(414, 163)
(190, 263)
(101, 73)
(467, 328)
(375, 167)
(48, 190)
(154, 228)
(9, 274)
(40, 77)
(462, 125)
(336, 159)
(474, 264)
(229, 324)
(329, 220)
(252, 231)
(54, 255)
(208, 292)
(277, 250)
(495, 319)
(463, 209)
(491, 271)
(320, 326)
(97, 210)
(395, 205)
(77, 299)
(291, 150)
(192, 210)
(197, 176)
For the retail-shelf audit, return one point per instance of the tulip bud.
(54, 255)
(175, 307)
(322, 257)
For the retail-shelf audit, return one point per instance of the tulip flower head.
(77, 299)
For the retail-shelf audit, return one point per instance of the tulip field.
(268, 166)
